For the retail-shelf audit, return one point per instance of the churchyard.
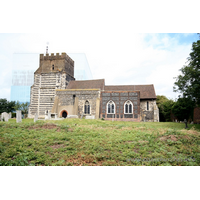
(82, 142)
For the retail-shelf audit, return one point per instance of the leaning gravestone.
(18, 116)
(36, 117)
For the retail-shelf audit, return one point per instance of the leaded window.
(111, 107)
(128, 107)
(87, 107)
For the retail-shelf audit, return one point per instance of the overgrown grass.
(98, 142)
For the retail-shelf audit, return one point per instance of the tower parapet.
(51, 63)
(58, 56)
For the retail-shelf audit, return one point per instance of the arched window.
(87, 108)
(111, 107)
(128, 107)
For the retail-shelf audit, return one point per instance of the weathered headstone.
(36, 117)
(49, 114)
(4, 116)
(10, 115)
(18, 116)
(72, 116)
(90, 117)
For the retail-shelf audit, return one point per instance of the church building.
(56, 91)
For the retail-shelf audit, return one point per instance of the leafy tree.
(183, 108)
(6, 106)
(189, 82)
(18, 106)
(165, 106)
(167, 109)
(24, 107)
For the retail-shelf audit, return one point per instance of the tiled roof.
(146, 91)
(87, 84)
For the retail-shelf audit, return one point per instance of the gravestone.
(90, 117)
(49, 115)
(10, 115)
(36, 117)
(4, 116)
(18, 116)
(72, 116)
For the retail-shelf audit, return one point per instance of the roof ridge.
(89, 80)
(128, 85)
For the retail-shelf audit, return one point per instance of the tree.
(167, 109)
(6, 106)
(24, 107)
(183, 108)
(189, 82)
(18, 106)
(165, 106)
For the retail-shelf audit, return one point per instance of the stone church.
(56, 91)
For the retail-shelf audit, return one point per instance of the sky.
(122, 45)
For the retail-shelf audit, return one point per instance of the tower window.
(52, 67)
(147, 105)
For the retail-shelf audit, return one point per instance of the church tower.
(54, 72)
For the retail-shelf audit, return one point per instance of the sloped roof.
(87, 84)
(146, 91)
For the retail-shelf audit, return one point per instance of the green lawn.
(77, 142)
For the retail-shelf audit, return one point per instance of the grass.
(75, 142)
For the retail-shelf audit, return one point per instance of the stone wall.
(119, 98)
(67, 99)
(152, 113)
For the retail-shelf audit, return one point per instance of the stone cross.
(18, 116)
(36, 117)
(185, 121)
